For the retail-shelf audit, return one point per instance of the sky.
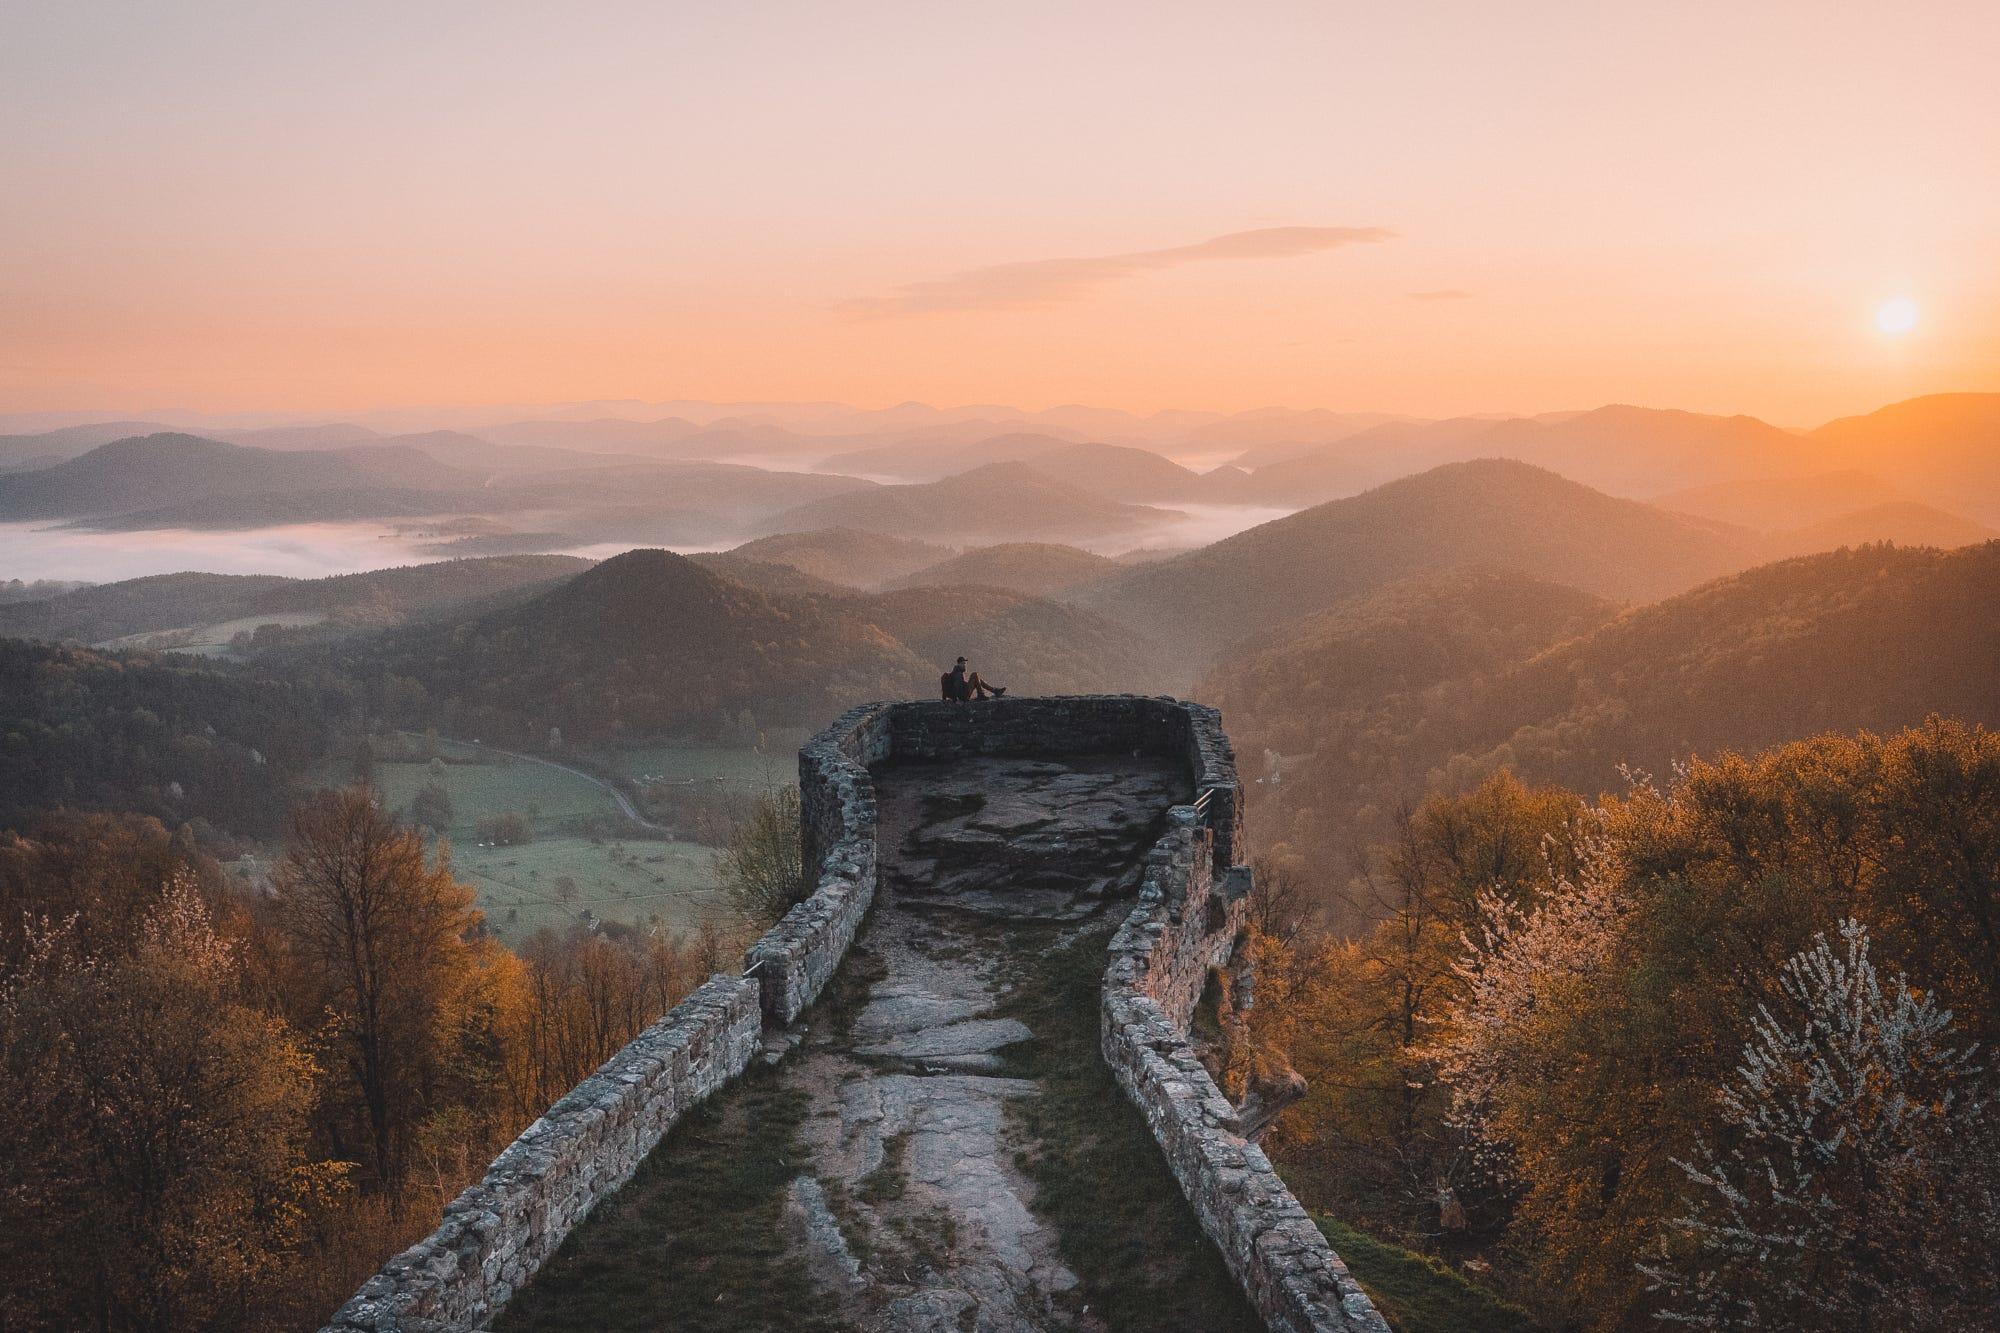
(1420, 208)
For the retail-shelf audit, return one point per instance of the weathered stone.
(1190, 901)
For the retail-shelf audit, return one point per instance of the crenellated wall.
(1189, 915)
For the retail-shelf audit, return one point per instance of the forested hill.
(1871, 638)
(647, 642)
(1491, 512)
(1284, 691)
(177, 738)
(154, 472)
(652, 643)
(378, 597)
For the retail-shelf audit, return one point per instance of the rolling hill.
(1282, 691)
(1627, 451)
(1039, 569)
(1029, 645)
(1904, 522)
(155, 473)
(1120, 472)
(1944, 448)
(931, 457)
(179, 601)
(995, 503)
(1874, 637)
(1491, 512)
(844, 556)
(172, 737)
(645, 643)
(652, 643)
(1841, 641)
(1771, 504)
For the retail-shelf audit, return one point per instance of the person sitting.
(960, 688)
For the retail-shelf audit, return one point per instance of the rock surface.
(912, 1127)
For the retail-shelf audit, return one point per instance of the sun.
(1896, 316)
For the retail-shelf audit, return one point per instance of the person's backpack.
(945, 689)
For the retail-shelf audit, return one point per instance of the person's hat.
(961, 662)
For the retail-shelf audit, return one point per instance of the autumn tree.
(1594, 1027)
(1355, 1015)
(159, 1166)
(388, 948)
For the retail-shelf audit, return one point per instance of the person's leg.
(980, 689)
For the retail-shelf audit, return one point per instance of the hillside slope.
(1029, 645)
(171, 737)
(995, 503)
(1040, 569)
(156, 472)
(1944, 448)
(177, 601)
(1875, 637)
(1492, 512)
(844, 555)
(646, 643)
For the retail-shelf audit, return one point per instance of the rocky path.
(944, 1150)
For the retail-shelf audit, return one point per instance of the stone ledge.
(1159, 962)
(497, 1233)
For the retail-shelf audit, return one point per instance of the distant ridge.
(1493, 512)
(998, 502)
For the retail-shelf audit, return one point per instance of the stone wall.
(1186, 922)
(497, 1233)
(795, 959)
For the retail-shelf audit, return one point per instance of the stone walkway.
(954, 1154)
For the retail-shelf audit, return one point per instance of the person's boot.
(999, 690)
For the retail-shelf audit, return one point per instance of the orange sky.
(1419, 208)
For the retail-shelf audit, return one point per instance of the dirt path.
(945, 1150)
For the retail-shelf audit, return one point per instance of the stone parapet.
(497, 1233)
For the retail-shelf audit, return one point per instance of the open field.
(213, 640)
(522, 888)
(741, 767)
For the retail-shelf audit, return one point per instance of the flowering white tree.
(1514, 972)
(1859, 1174)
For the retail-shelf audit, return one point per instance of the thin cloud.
(1442, 294)
(1034, 283)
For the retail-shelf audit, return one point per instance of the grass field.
(739, 766)
(213, 640)
(628, 880)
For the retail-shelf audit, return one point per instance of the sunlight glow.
(1896, 316)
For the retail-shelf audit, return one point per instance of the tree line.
(1709, 1051)
(225, 1107)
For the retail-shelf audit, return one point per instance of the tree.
(431, 808)
(385, 943)
(1592, 1027)
(763, 867)
(507, 829)
(159, 1174)
(1357, 1016)
(1859, 1181)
